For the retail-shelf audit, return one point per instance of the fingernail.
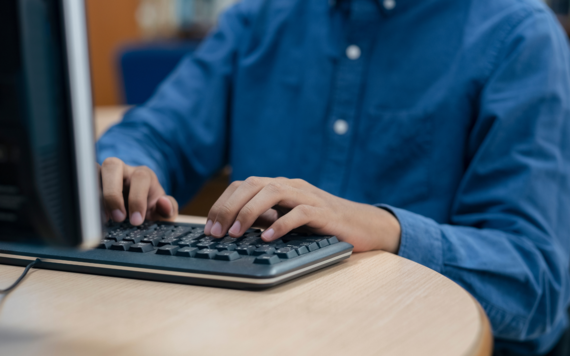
(217, 229)
(236, 227)
(208, 227)
(268, 234)
(118, 215)
(136, 218)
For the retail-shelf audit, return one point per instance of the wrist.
(390, 230)
(369, 227)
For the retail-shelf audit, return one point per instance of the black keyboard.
(182, 253)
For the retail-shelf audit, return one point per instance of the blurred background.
(562, 10)
(135, 44)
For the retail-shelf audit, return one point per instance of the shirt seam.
(497, 52)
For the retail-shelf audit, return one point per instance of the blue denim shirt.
(453, 114)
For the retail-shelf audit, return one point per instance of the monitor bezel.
(82, 121)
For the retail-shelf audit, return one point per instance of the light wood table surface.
(105, 116)
(374, 303)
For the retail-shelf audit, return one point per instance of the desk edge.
(484, 346)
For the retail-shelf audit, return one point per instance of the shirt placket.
(348, 84)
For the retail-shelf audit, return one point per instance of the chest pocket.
(398, 151)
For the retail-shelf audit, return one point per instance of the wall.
(110, 24)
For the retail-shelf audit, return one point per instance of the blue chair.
(144, 66)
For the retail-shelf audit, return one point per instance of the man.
(435, 129)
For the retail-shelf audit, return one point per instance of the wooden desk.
(374, 303)
(105, 116)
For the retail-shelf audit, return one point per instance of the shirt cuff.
(420, 240)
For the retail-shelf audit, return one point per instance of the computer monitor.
(48, 176)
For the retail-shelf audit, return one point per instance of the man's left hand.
(281, 205)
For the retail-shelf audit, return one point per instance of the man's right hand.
(140, 188)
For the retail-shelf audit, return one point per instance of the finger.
(272, 194)
(166, 209)
(266, 219)
(112, 176)
(299, 216)
(217, 205)
(224, 212)
(156, 193)
(268, 197)
(141, 179)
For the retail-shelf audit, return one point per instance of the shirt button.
(340, 127)
(353, 52)
(389, 4)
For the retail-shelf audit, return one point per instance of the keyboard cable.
(15, 284)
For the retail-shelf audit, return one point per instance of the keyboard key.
(267, 259)
(112, 226)
(264, 250)
(142, 232)
(169, 241)
(177, 231)
(115, 238)
(193, 236)
(291, 237)
(323, 243)
(227, 255)
(152, 240)
(207, 253)
(118, 234)
(134, 238)
(227, 240)
(207, 244)
(105, 244)
(311, 246)
(121, 245)
(231, 240)
(141, 247)
(301, 250)
(168, 250)
(332, 240)
(225, 246)
(187, 251)
(250, 240)
(286, 253)
(147, 226)
(185, 238)
(164, 242)
(245, 250)
(186, 243)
